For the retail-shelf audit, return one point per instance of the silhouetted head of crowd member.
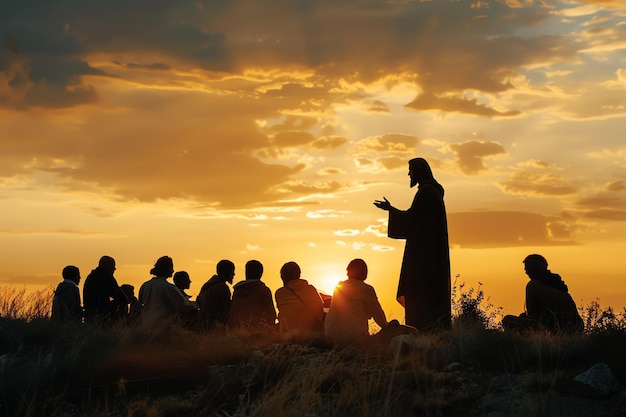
(107, 263)
(164, 267)
(72, 273)
(182, 280)
(226, 270)
(419, 171)
(535, 265)
(129, 292)
(357, 269)
(289, 272)
(254, 270)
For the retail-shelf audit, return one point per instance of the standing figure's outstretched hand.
(383, 204)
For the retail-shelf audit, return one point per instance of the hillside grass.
(81, 370)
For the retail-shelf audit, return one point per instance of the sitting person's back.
(548, 303)
(252, 307)
(300, 307)
(103, 300)
(354, 302)
(214, 298)
(66, 302)
(161, 301)
(551, 308)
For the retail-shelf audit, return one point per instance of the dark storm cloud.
(157, 66)
(197, 90)
(334, 39)
(43, 80)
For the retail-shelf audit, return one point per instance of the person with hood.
(214, 297)
(160, 300)
(66, 302)
(300, 306)
(424, 288)
(549, 305)
(103, 298)
(354, 302)
(252, 305)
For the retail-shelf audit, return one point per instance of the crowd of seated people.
(343, 318)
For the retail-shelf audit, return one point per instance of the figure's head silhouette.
(129, 292)
(182, 280)
(72, 273)
(163, 267)
(226, 270)
(357, 269)
(419, 171)
(289, 272)
(254, 270)
(535, 265)
(107, 263)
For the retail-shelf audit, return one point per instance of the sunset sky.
(216, 129)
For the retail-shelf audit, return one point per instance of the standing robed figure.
(424, 287)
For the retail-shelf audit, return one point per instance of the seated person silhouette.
(182, 282)
(354, 302)
(160, 300)
(134, 309)
(300, 307)
(214, 298)
(103, 299)
(252, 306)
(549, 306)
(66, 302)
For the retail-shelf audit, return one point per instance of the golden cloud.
(470, 155)
(389, 143)
(330, 171)
(294, 138)
(615, 186)
(491, 229)
(392, 162)
(157, 110)
(460, 104)
(539, 184)
(236, 38)
(347, 232)
(328, 142)
(605, 205)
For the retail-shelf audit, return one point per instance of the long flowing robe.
(252, 306)
(425, 273)
(214, 302)
(552, 308)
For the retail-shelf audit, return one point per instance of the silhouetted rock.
(403, 345)
(599, 380)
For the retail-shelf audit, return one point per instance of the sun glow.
(328, 276)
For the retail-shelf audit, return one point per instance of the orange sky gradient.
(206, 130)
